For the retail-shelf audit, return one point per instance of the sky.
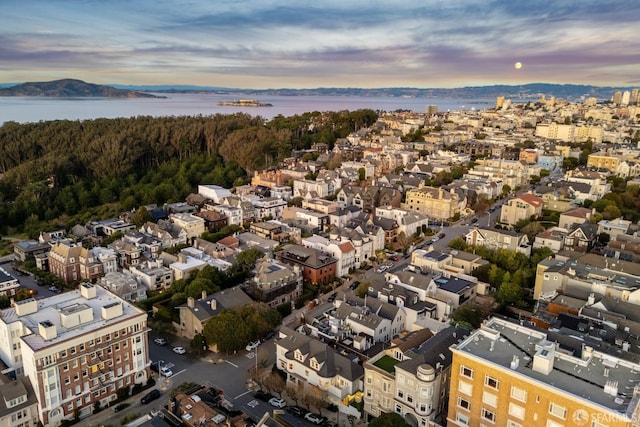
(263, 44)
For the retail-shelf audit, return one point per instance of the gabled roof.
(531, 199)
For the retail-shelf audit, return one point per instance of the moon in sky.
(518, 65)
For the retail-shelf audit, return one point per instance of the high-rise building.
(617, 97)
(626, 98)
(499, 102)
(635, 96)
(430, 110)
(77, 349)
(510, 374)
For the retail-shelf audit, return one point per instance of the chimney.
(214, 304)
(204, 295)
(515, 362)
(592, 299)
(191, 303)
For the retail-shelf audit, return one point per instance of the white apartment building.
(77, 348)
(192, 225)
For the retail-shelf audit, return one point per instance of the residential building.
(197, 410)
(308, 189)
(316, 368)
(521, 207)
(436, 203)
(409, 222)
(573, 216)
(128, 254)
(213, 192)
(269, 207)
(234, 214)
(192, 259)
(213, 220)
(343, 251)
(124, 285)
(318, 268)
(195, 313)
(77, 348)
(613, 227)
(18, 403)
(192, 225)
(552, 238)
(317, 221)
(153, 275)
(8, 284)
(275, 283)
(28, 249)
(411, 377)
(582, 237)
(370, 197)
(498, 239)
(71, 262)
(320, 205)
(108, 227)
(510, 374)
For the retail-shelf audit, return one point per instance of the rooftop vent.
(87, 290)
(111, 311)
(27, 306)
(47, 330)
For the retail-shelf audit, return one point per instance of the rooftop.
(575, 368)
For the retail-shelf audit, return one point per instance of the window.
(519, 394)
(369, 380)
(466, 372)
(462, 419)
(490, 399)
(488, 415)
(516, 411)
(513, 424)
(400, 394)
(491, 382)
(466, 388)
(557, 410)
(464, 404)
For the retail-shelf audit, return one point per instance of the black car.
(296, 410)
(262, 395)
(152, 395)
(267, 336)
(473, 221)
(120, 407)
(332, 297)
(354, 285)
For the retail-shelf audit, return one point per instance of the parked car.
(314, 418)
(120, 407)
(394, 258)
(152, 395)
(267, 336)
(354, 285)
(153, 365)
(263, 395)
(332, 297)
(160, 341)
(329, 423)
(473, 221)
(252, 345)
(297, 411)
(167, 372)
(179, 350)
(441, 236)
(277, 402)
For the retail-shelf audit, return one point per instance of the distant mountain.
(78, 88)
(514, 92)
(70, 88)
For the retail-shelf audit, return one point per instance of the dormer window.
(298, 355)
(314, 364)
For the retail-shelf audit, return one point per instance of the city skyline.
(260, 44)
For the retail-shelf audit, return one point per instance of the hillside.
(70, 88)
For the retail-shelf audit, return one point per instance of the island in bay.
(244, 103)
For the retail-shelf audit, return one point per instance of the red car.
(441, 236)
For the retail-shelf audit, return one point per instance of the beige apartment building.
(436, 203)
(77, 349)
(522, 207)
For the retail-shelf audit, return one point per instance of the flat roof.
(50, 309)
(572, 375)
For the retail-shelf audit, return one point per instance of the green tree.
(458, 243)
(509, 294)
(468, 315)
(140, 217)
(362, 174)
(198, 344)
(363, 288)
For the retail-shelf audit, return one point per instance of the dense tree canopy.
(62, 172)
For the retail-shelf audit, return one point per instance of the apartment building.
(522, 207)
(71, 262)
(510, 374)
(77, 349)
(8, 284)
(192, 225)
(411, 377)
(436, 203)
(275, 283)
(318, 268)
(317, 368)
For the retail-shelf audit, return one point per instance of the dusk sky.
(298, 44)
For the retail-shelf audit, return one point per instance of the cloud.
(332, 43)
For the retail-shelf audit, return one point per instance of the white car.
(252, 345)
(160, 341)
(277, 402)
(166, 372)
(313, 418)
(179, 350)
